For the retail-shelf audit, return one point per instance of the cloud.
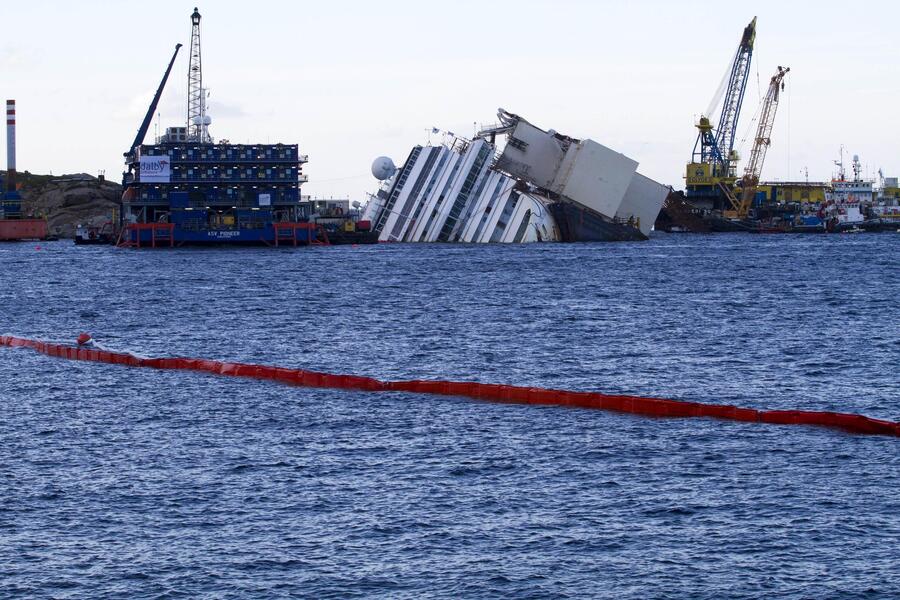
(223, 109)
(12, 58)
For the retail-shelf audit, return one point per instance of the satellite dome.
(383, 168)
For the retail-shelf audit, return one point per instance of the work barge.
(187, 188)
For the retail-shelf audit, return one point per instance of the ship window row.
(225, 153)
(434, 213)
(505, 217)
(426, 196)
(471, 204)
(165, 187)
(490, 206)
(234, 173)
(462, 198)
(398, 187)
(414, 193)
(240, 197)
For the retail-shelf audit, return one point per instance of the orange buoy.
(84, 339)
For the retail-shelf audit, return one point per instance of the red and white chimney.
(10, 145)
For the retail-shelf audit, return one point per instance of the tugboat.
(339, 222)
(86, 235)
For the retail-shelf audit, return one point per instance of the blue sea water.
(135, 483)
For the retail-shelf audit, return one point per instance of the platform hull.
(352, 237)
(23, 229)
(264, 236)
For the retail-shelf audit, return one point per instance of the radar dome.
(383, 168)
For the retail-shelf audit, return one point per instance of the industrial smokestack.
(10, 145)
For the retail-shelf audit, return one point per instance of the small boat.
(95, 236)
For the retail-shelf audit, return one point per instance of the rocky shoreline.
(69, 200)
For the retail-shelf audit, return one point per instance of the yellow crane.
(741, 207)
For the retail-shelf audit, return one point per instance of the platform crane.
(131, 155)
(750, 180)
(714, 160)
(148, 118)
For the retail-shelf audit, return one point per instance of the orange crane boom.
(760, 145)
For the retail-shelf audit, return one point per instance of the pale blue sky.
(351, 80)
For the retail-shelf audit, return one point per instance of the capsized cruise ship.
(513, 183)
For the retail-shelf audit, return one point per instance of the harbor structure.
(805, 192)
(14, 223)
(890, 191)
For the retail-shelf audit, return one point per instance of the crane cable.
(789, 130)
(720, 91)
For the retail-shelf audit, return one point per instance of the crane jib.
(734, 94)
(145, 126)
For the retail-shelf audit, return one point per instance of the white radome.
(383, 168)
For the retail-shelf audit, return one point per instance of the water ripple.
(139, 483)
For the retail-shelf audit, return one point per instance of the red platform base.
(23, 229)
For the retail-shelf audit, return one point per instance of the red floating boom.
(655, 407)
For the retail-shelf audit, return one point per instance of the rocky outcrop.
(69, 200)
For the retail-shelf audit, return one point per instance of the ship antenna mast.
(197, 119)
(840, 165)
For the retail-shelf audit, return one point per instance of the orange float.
(654, 407)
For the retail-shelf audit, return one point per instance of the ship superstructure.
(189, 188)
(849, 200)
(537, 186)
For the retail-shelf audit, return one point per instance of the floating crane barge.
(188, 189)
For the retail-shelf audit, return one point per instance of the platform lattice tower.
(195, 117)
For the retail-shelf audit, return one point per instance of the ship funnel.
(10, 145)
